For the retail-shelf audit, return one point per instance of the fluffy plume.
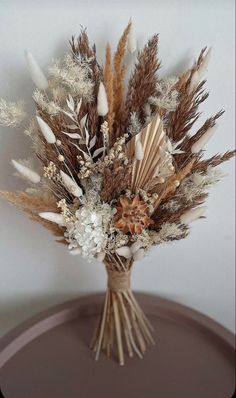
(29, 174)
(205, 62)
(199, 145)
(46, 131)
(53, 217)
(108, 82)
(132, 42)
(102, 105)
(74, 75)
(11, 113)
(192, 215)
(140, 88)
(124, 252)
(71, 185)
(195, 80)
(36, 72)
(119, 73)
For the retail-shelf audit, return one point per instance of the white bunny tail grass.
(199, 145)
(26, 172)
(36, 73)
(71, 185)
(56, 218)
(102, 104)
(192, 215)
(46, 131)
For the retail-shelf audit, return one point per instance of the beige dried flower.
(11, 113)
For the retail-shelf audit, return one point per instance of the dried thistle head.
(132, 215)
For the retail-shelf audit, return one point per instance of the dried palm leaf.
(151, 138)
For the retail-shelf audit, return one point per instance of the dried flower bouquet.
(119, 173)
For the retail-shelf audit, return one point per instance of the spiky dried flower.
(132, 215)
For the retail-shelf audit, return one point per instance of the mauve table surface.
(48, 356)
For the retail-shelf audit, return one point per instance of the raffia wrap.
(118, 281)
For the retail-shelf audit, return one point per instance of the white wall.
(35, 272)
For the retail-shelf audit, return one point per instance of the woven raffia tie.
(118, 281)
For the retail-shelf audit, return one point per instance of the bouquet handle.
(122, 326)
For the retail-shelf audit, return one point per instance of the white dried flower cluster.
(50, 170)
(74, 76)
(169, 232)
(51, 107)
(135, 125)
(116, 239)
(167, 96)
(89, 232)
(11, 113)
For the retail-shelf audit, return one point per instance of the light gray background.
(35, 272)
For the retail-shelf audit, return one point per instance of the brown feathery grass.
(162, 215)
(55, 229)
(186, 114)
(214, 161)
(34, 203)
(108, 82)
(119, 74)
(143, 80)
(116, 179)
(190, 140)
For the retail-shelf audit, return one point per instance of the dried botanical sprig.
(36, 72)
(119, 175)
(11, 113)
(119, 74)
(143, 81)
(108, 82)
